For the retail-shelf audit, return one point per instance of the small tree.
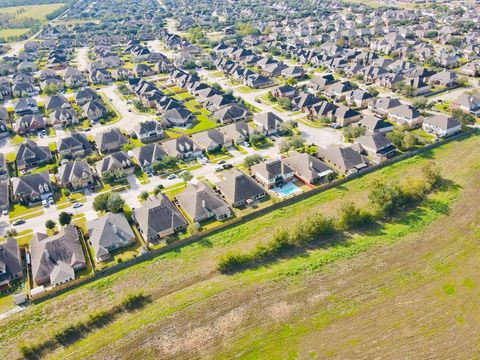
(64, 218)
(252, 160)
(50, 224)
(186, 175)
(144, 195)
(66, 192)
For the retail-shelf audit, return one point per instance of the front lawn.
(18, 211)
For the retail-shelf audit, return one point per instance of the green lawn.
(202, 123)
(25, 212)
(38, 12)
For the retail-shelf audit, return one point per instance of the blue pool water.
(286, 190)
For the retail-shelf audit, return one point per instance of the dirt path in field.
(415, 299)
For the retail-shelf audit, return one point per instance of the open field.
(38, 12)
(5, 33)
(405, 287)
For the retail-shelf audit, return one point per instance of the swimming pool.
(286, 190)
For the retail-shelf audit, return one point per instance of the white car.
(45, 203)
(5, 212)
(171, 177)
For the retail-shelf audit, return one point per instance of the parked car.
(45, 203)
(5, 212)
(50, 200)
(77, 205)
(219, 168)
(19, 222)
(227, 166)
(171, 177)
(221, 162)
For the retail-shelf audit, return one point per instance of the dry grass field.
(406, 289)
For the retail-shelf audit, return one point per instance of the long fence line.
(241, 219)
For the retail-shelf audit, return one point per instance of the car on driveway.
(77, 205)
(5, 212)
(171, 177)
(219, 168)
(221, 162)
(50, 200)
(227, 166)
(45, 203)
(18, 222)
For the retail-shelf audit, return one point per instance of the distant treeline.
(8, 3)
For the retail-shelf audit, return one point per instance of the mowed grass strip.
(191, 269)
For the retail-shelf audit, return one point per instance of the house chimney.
(204, 205)
(115, 229)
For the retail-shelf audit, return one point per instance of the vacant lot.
(38, 12)
(401, 290)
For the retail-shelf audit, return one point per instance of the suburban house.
(148, 131)
(30, 155)
(75, 175)
(110, 140)
(76, 145)
(377, 146)
(56, 258)
(231, 113)
(235, 133)
(10, 263)
(444, 78)
(374, 124)
(273, 173)
(146, 155)
(406, 115)
(117, 161)
(239, 189)
(441, 125)
(86, 95)
(32, 188)
(307, 168)
(4, 131)
(344, 116)
(56, 102)
(345, 159)
(25, 106)
(182, 147)
(108, 233)
(178, 117)
(29, 124)
(94, 110)
(267, 123)
(158, 218)
(284, 91)
(63, 117)
(468, 103)
(382, 106)
(200, 202)
(210, 140)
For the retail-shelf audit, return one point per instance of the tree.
(291, 81)
(64, 218)
(11, 232)
(409, 141)
(109, 201)
(285, 103)
(66, 192)
(144, 195)
(186, 175)
(351, 132)
(252, 160)
(351, 217)
(50, 224)
(396, 137)
(256, 138)
(464, 118)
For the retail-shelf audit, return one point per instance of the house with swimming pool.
(307, 168)
(273, 174)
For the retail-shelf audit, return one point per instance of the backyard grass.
(334, 299)
(202, 123)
